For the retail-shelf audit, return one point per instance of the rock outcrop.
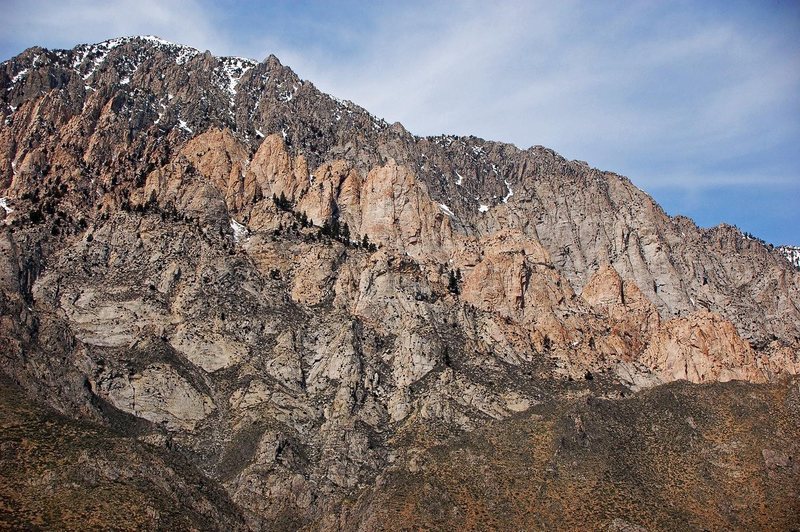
(701, 347)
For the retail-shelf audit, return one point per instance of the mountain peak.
(305, 301)
(152, 40)
(273, 61)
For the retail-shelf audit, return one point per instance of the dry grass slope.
(677, 457)
(56, 473)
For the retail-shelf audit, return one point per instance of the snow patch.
(444, 140)
(5, 206)
(184, 55)
(99, 51)
(233, 69)
(182, 124)
(460, 178)
(240, 232)
(510, 192)
(19, 75)
(792, 254)
(158, 40)
(160, 113)
(259, 134)
(286, 95)
(483, 208)
(446, 210)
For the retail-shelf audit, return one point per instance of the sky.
(698, 103)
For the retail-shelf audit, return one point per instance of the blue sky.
(697, 102)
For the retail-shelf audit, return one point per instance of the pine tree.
(281, 202)
(452, 283)
(258, 195)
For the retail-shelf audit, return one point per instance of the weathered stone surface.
(701, 347)
(157, 393)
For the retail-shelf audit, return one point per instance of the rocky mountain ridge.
(185, 246)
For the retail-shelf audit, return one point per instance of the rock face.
(701, 347)
(296, 295)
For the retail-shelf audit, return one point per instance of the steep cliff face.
(283, 287)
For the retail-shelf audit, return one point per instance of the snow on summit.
(792, 254)
(89, 57)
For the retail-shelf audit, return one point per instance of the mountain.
(342, 325)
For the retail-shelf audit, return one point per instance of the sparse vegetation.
(453, 281)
